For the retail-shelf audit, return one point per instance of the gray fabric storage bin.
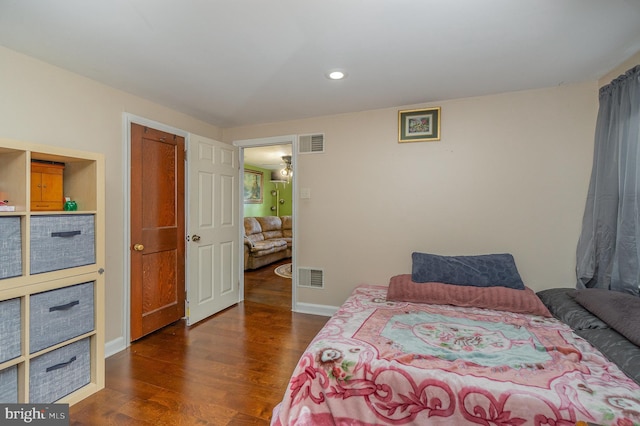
(10, 247)
(61, 241)
(59, 372)
(9, 329)
(9, 385)
(59, 315)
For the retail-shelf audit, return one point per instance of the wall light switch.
(305, 193)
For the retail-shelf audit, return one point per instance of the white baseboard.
(310, 308)
(114, 346)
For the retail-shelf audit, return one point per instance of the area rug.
(284, 270)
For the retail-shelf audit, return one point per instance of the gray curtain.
(608, 255)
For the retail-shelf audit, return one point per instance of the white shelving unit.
(66, 325)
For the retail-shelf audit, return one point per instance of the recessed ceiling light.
(336, 75)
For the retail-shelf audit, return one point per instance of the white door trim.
(276, 140)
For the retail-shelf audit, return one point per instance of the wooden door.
(52, 187)
(213, 247)
(36, 187)
(157, 230)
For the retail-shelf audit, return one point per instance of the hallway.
(262, 285)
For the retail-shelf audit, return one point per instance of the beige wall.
(509, 175)
(620, 69)
(44, 104)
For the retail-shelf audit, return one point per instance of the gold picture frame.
(419, 125)
(253, 187)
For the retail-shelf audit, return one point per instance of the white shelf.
(83, 179)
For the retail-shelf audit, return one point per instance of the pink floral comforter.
(380, 362)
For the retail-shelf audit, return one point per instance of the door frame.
(127, 120)
(256, 143)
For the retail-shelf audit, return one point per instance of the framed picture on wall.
(419, 125)
(253, 187)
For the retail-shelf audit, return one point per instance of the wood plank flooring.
(230, 369)
(265, 287)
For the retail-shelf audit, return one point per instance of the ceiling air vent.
(311, 143)
(308, 277)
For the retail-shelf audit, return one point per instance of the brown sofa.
(266, 240)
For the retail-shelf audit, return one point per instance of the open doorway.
(268, 219)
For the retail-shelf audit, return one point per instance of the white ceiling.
(242, 62)
(267, 157)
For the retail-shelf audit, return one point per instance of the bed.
(463, 358)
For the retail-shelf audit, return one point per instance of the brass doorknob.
(138, 247)
(195, 237)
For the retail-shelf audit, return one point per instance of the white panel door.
(212, 227)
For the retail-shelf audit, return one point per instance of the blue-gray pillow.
(486, 270)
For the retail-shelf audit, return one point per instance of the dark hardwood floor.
(230, 369)
(265, 287)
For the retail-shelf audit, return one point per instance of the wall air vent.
(308, 277)
(311, 144)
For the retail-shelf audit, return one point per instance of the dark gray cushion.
(481, 271)
(616, 348)
(619, 310)
(564, 307)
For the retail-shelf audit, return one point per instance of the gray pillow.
(619, 310)
(563, 306)
(481, 271)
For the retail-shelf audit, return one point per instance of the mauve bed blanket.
(381, 362)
